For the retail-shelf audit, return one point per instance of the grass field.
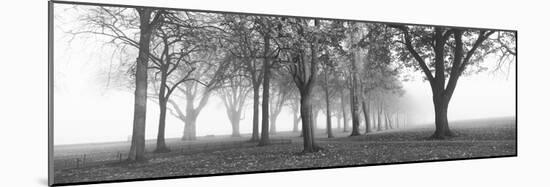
(223, 154)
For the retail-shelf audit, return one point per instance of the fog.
(89, 107)
(485, 95)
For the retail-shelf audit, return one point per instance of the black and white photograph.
(150, 93)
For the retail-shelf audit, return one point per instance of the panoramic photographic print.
(150, 93)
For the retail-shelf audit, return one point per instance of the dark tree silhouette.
(303, 43)
(354, 37)
(365, 104)
(268, 28)
(343, 101)
(327, 84)
(147, 25)
(443, 54)
(303, 68)
(113, 23)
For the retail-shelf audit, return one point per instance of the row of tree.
(185, 57)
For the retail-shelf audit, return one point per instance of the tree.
(209, 64)
(303, 68)
(379, 115)
(116, 24)
(205, 79)
(244, 43)
(369, 56)
(443, 54)
(380, 71)
(194, 91)
(234, 94)
(302, 45)
(267, 26)
(343, 85)
(317, 103)
(327, 83)
(354, 34)
(264, 138)
(281, 92)
(137, 148)
(343, 101)
(366, 110)
(175, 41)
(294, 103)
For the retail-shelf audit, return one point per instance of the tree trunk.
(275, 110)
(256, 112)
(163, 100)
(189, 131)
(354, 112)
(137, 148)
(386, 122)
(264, 139)
(367, 118)
(161, 144)
(391, 122)
(329, 121)
(344, 116)
(440, 96)
(235, 123)
(329, 127)
(442, 129)
(374, 122)
(307, 130)
(354, 99)
(379, 115)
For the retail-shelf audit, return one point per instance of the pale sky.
(85, 111)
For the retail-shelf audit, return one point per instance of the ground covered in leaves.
(475, 139)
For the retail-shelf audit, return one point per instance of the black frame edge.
(50, 94)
